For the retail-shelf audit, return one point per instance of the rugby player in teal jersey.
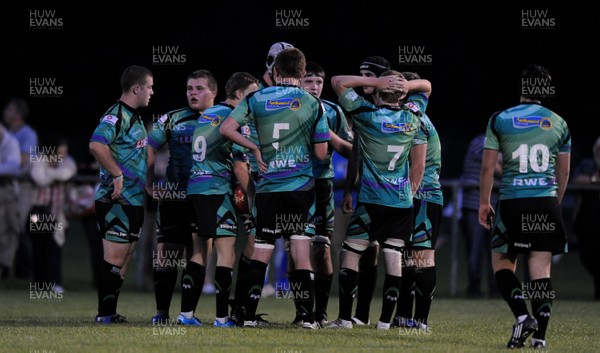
(418, 267)
(211, 192)
(373, 66)
(536, 146)
(384, 210)
(341, 142)
(175, 218)
(119, 145)
(291, 128)
(247, 182)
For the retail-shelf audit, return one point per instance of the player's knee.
(392, 244)
(300, 237)
(320, 240)
(264, 243)
(393, 249)
(356, 248)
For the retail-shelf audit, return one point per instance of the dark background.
(477, 53)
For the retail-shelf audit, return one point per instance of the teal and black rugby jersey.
(430, 189)
(529, 137)
(212, 159)
(337, 123)
(385, 136)
(176, 128)
(122, 130)
(288, 120)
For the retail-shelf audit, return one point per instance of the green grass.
(457, 324)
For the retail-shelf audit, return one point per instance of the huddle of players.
(289, 135)
(291, 196)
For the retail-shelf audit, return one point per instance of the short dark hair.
(290, 63)
(21, 106)
(134, 75)
(409, 76)
(535, 71)
(238, 81)
(210, 78)
(540, 75)
(314, 69)
(390, 97)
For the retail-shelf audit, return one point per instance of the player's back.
(529, 137)
(285, 118)
(386, 134)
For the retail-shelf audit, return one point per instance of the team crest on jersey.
(213, 119)
(412, 107)
(110, 119)
(546, 124)
(532, 121)
(276, 104)
(245, 130)
(390, 128)
(141, 143)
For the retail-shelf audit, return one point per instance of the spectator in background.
(51, 168)
(10, 162)
(81, 206)
(587, 227)
(14, 115)
(476, 237)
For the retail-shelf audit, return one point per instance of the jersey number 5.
(276, 128)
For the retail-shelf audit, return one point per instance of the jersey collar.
(390, 107)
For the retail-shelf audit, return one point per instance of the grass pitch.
(456, 325)
(66, 324)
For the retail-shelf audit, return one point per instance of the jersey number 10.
(532, 156)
